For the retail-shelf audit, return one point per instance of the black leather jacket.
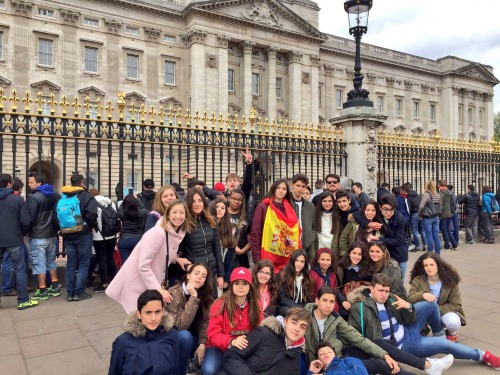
(471, 203)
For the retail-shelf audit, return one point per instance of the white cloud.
(427, 28)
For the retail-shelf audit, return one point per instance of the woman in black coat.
(202, 244)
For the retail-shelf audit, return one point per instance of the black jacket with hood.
(266, 354)
(471, 203)
(413, 200)
(15, 218)
(147, 198)
(42, 207)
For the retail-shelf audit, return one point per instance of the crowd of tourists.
(307, 281)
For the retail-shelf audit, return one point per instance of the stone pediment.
(45, 84)
(261, 13)
(135, 97)
(171, 102)
(4, 82)
(477, 71)
(92, 90)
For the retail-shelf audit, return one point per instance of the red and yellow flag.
(280, 235)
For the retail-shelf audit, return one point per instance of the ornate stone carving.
(194, 36)
(408, 85)
(329, 70)
(371, 77)
(467, 93)
(247, 46)
(472, 72)
(350, 73)
(390, 81)
(295, 57)
(306, 78)
(315, 60)
(272, 52)
(223, 41)
(69, 16)
(22, 8)
(152, 33)
(211, 61)
(371, 164)
(425, 88)
(260, 13)
(112, 25)
(488, 97)
(457, 90)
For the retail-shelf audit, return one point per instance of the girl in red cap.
(232, 317)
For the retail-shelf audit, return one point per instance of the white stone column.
(223, 100)
(314, 90)
(271, 83)
(295, 86)
(329, 102)
(196, 40)
(488, 115)
(247, 77)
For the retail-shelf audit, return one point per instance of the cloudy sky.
(429, 28)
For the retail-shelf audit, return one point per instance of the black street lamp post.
(358, 11)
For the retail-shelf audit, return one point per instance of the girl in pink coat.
(145, 268)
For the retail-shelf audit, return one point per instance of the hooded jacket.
(139, 351)
(15, 218)
(339, 334)
(147, 198)
(486, 207)
(394, 237)
(446, 198)
(266, 353)
(471, 203)
(42, 207)
(369, 323)
(88, 209)
(413, 200)
(104, 202)
(133, 227)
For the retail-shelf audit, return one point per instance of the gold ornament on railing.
(27, 101)
(14, 99)
(64, 104)
(121, 104)
(2, 98)
(98, 108)
(76, 107)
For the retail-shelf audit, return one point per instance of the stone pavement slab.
(75, 338)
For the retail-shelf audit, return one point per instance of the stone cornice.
(195, 36)
(223, 41)
(145, 7)
(21, 7)
(294, 57)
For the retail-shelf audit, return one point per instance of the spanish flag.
(280, 235)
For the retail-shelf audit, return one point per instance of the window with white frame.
(132, 66)
(90, 22)
(339, 98)
(320, 95)
(460, 113)
(230, 80)
(255, 83)
(399, 107)
(380, 104)
(339, 72)
(132, 179)
(279, 87)
(170, 72)
(432, 112)
(416, 110)
(1, 45)
(2, 3)
(128, 115)
(481, 112)
(93, 180)
(46, 105)
(45, 12)
(169, 38)
(131, 30)
(91, 59)
(470, 115)
(380, 80)
(45, 53)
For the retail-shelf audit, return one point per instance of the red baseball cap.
(241, 273)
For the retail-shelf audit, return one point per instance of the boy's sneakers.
(491, 360)
(439, 365)
(26, 305)
(41, 295)
(82, 296)
(54, 291)
(452, 338)
(99, 288)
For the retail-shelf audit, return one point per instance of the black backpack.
(110, 224)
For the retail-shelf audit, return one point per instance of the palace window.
(255, 84)
(1, 45)
(45, 12)
(339, 72)
(460, 113)
(481, 112)
(132, 179)
(380, 104)
(279, 87)
(170, 72)
(169, 38)
(432, 112)
(90, 22)
(230, 80)
(470, 115)
(399, 107)
(45, 51)
(132, 30)
(320, 95)
(339, 98)
(91, 62)
(132, 66)
(416, 110)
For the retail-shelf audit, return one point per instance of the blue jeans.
(456, 228)
(425, 346)
(211, 361)
(416, 227)
(187, 345)
(79, 252)
(18, 260)
(126, 245)
(431, 228)
(8, 275)
(403, 266)
(448, 236)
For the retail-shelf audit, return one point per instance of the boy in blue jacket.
(333, 365)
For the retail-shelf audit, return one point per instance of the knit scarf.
(280, 235)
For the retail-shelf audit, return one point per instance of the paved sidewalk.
(67, 338)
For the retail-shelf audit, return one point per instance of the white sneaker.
(439, 365)
(411, 247)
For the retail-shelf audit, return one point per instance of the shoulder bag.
(164, 284)
(431, 209)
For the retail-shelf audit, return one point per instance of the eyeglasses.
(264, 273)
(387, 209)
(332, 182)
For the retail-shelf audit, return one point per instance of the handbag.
(164, 283)
(431, 209)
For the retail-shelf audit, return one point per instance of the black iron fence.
(117, 145)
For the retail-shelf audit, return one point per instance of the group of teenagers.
(324, 295)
